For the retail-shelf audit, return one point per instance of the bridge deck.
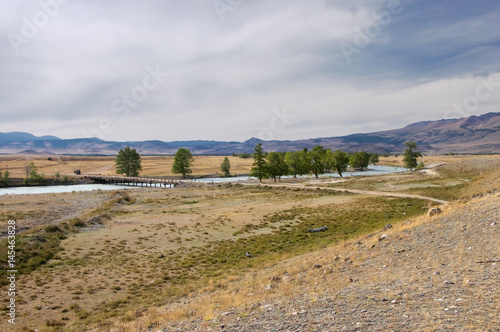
(132, 180)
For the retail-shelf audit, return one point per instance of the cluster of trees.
(246, 155)
(243, 155)
(32, 175)
(275, 164)
(317, 161)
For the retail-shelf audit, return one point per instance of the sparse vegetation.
(4, 178)
(32, 175)
(162, 246)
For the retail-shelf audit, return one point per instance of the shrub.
(76, 222)
(52, 229)
(4, 179)
(420, 166)
(53, 323)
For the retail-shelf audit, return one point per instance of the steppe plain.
(150, 259)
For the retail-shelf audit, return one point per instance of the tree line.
(274, 165)
(317, 161)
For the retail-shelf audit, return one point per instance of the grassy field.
(103, 259)
(151, 247)
(152, 165)
(160, 165)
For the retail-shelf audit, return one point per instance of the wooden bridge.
(134, 181)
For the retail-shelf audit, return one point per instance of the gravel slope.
(441, 274)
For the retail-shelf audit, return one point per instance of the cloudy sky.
(234, 69)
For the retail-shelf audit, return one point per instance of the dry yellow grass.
(152, 165)
(162, 165)
(429, 160)
(106, 264)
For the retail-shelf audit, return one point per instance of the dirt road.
(354, 191)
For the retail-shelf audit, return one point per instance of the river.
(374, 170)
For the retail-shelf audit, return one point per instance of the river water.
(58, 189)
(374, 170)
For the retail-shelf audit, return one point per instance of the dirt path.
(356, 191)
(430, 170)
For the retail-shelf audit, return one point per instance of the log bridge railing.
(133, 181)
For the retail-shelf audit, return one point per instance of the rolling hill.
(474, 134)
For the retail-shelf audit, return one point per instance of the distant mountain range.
(474, 134)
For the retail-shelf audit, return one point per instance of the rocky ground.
(439, 273)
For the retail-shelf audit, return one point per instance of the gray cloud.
(226, 76)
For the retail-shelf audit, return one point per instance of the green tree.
(410, 155)
(359, 160)
(259, 166)
(182, 162)
(337, 161)
(57, 176)
(276, 166)
(297, 162)
(374, 158)
(128, 162)
(225, 166)
(317, 160)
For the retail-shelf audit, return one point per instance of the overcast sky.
(233, 69)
